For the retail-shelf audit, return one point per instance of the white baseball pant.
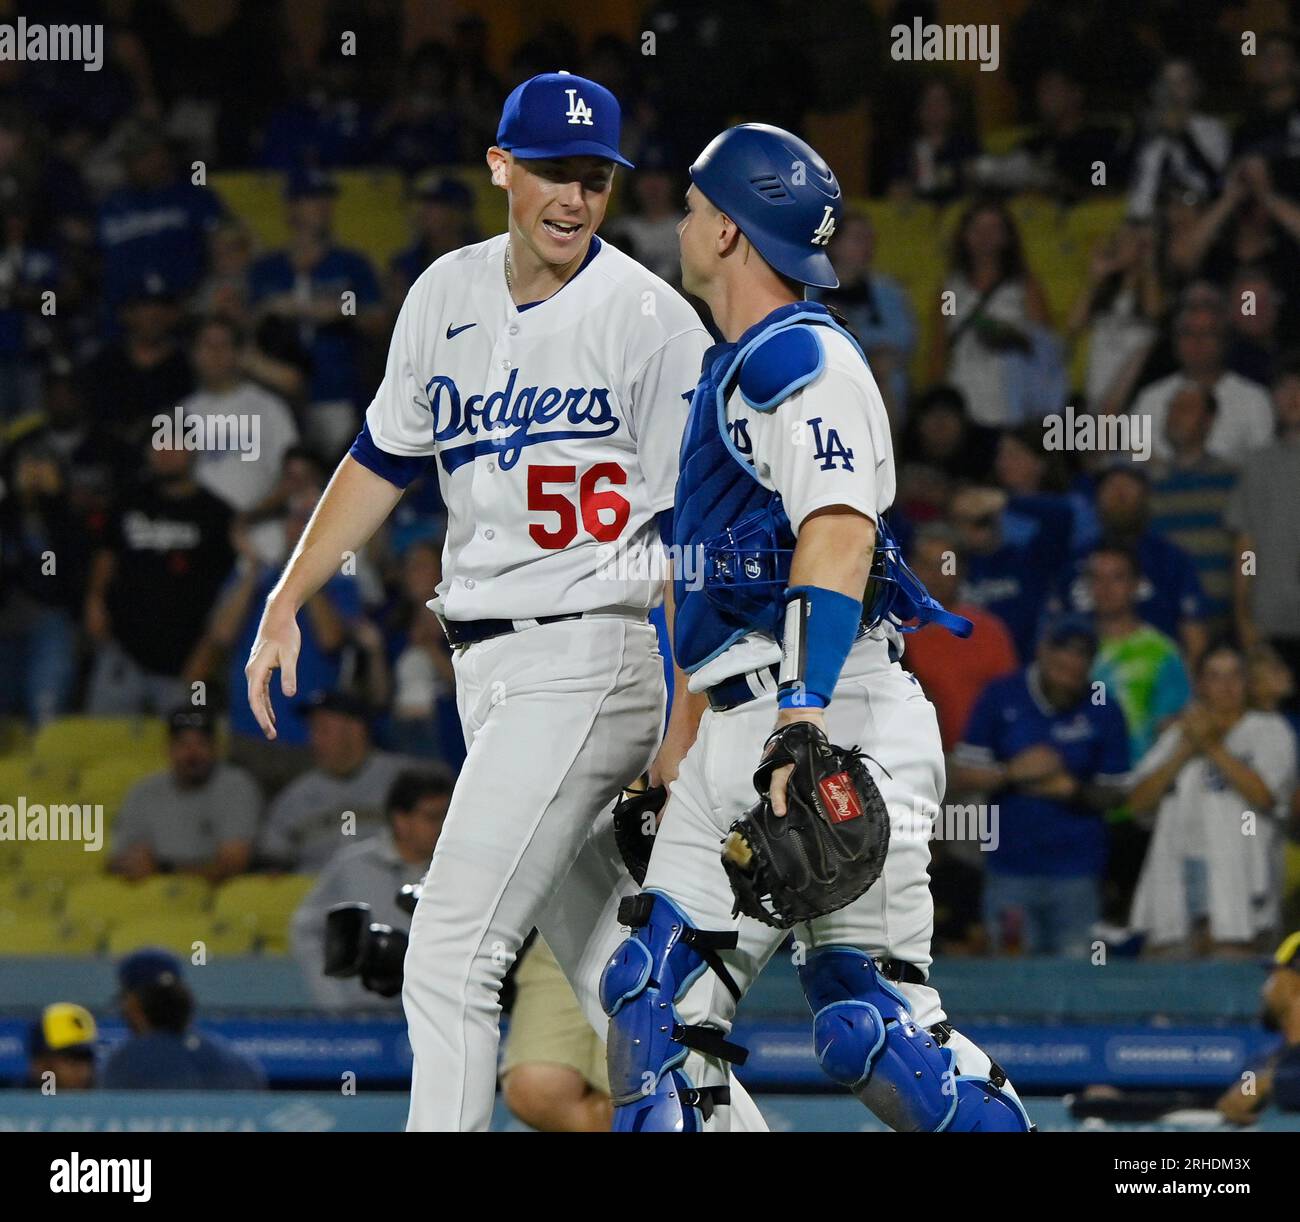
(557, 719)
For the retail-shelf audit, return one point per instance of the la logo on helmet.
(826, 230)
(579, 111)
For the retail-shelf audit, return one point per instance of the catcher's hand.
(636, 820)
(826, 850)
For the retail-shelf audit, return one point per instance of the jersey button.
(491, 467)
(489, 534)
(469, 583)
(514, 328)
(505, 364)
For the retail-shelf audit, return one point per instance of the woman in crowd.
(932, 166)
(1219, 781)
(1119, 310)
(991, 313)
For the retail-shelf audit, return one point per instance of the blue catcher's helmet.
(746, 572)
(781, 194)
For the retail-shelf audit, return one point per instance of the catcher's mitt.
(635, 823)
(828, 847)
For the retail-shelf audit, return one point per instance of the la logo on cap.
(579, 112)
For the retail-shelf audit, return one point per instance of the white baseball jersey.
(827, 444)
(555, 428)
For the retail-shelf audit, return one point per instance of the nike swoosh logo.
(452, 332)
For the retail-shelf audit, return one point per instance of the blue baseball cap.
(1067, 628)
(558, 114)
(144, 969)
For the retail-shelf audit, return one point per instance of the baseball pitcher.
(546, 376)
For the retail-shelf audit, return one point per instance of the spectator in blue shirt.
(306, 284)
(325, 123)
(876, 307)
(233, 628)
(1051, 762)
(443, 220)
(164, 1051)
(1012, 579)
(1169, 594)
(158, 221)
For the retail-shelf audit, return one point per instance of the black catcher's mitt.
(828, 847)
(635, 823)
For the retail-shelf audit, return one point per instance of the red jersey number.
(604, 511)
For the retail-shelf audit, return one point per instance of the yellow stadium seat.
(115, 900)
(370, 213)
(1291, 868)
(25, 895)
(1093, 219)
(179, 932)
(66, 859)
(15, 737)
(78, 741)
(37, 781)
(26, 935)
(1002, 140)
(265, 903)
(15, 778)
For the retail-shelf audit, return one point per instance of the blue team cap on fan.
(558, 114)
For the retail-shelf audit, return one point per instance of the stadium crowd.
(1127, 704)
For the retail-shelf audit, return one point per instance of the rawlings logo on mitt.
(828, 847)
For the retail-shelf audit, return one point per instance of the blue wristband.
(820, 628)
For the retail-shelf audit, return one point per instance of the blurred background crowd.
(224, 221)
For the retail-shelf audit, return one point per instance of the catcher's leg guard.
(912, 1078)
(639, 988)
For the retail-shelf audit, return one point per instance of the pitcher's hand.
(276, 646)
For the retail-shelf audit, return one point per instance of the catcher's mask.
(746, 572)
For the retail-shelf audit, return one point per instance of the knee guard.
(866, 1039)
(639, 988)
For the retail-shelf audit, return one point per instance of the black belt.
(471, 631)
(732, 693)
(900, 972)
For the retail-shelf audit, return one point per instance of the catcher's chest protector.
(717, 486)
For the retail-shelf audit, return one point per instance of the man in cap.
(164, 1051)
(197, 817)
(305, 285)
(443, 218)
(1051, 761)
(341, 799)
(63, 1048)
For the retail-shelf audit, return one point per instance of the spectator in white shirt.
(258, 420)
(1219, 781)
(1183, 149)
(1244, 420)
